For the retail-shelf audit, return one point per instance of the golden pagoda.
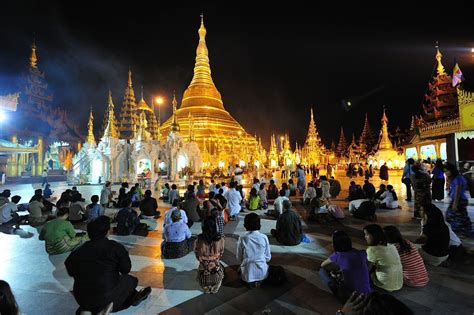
(211, 123)
(90, 130)
(385, 151)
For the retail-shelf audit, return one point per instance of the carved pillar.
(39, 166)
(437, 149)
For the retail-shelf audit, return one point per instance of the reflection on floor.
(42, 286)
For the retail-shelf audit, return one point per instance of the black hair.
(290, 181)
(211, 194)
(8, 305)
(175, 203)
(435, 216)
(282, 193)
(262, 186)
(272, 181)
(411, 161)
(173, 186)
(389, 187)
(341, 241)
(97, 229)
(252, 222)
(16, 199)
(209, 230)
(452, 169)
(439, 163)
(221, 191)
(148, 192)
(377, 234)
(95, 199)
(253, 192)
(394, 236)
(323, 177)
(167, 185)
(233, 184)
(62, 211)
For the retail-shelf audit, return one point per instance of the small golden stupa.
(202, 111)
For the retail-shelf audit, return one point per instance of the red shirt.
(414, 270)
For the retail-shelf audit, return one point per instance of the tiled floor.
(42, 286)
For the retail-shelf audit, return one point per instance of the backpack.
(276, 275)
(141, 230)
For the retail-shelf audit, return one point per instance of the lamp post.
(159, 101)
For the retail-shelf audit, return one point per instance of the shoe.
(141, 296)
(107, 310)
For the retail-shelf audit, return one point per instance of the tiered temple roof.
(128, 114)
(342, 145)
(441, 99)
(366, 139)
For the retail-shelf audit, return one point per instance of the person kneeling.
(288, 227)
(253, 252)
(100, 269)
(177, 238)
(59, 234)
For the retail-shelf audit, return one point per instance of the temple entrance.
(144, 165)
(96, 171)
(182, 161)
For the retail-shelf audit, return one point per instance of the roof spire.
(110, 123)
(129, 78)
(174, 125)
(90, 126)
(440, 67)
(33, 58)
(384, 141)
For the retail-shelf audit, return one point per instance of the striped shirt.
(414, 270)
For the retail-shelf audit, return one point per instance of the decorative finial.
(33, 58)
(202, 30)
(129, 78)
(90, 125)
(440, 67)
(142, 92)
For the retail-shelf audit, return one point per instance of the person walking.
(384, 172)
(406, 177)
(44, 177)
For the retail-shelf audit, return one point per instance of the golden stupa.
(202, 111)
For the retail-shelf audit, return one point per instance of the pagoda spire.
(33, 58)
(110, 123)
(440, 66)
(153, 124)
(90, 127)
(201, 90)
(313, 142)
(128, 115)
(366, 139)
(384, 141)
(342, 145)
(174, 124)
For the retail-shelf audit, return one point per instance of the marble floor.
(42, 286)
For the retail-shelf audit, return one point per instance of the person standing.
(301, 183)
(406, 177)
(384, 172)
(421, 185)
(106, 195)
(437, 188)
(44, 177)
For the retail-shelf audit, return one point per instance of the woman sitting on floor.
(414, 270)
(385, 266)
(262, 193)
(176, 237)
(389, 199)
(254, 200)
(209, 249)
(59, 234)
(253, 252)
(345, 271)
(434, 236)
(36, 209)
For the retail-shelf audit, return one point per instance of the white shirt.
(6, 212)
(309, 193)
(167, 220)
(256, 186)
(325, 188)
(233, 201)
(387, 198)
(225, 189)
(253, 251)
(278, 203)
(44, 174)
(355, 204)
(105, 195)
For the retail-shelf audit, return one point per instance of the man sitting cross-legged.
(100, 269)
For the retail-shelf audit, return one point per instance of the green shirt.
(389, 271)
(55, 230)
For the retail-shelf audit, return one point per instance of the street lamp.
(159, 100)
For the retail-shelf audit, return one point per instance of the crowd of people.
(100, 267)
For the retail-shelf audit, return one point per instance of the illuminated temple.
(202, 111)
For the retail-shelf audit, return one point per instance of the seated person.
(134, 196)
(47, 192)
(434, 236)
(212, 187)
(191, 207)
(278, 205)
(189, 190)
(36, 209)
(8, 213)
(389, 199)
(345, 271)
(272, 192)
(253, 252)
(8, 304)
(94, 210)
(127, 220)
(309, 194)
(385, 267)
(352, 191)
(209, 249)
(288, 227)
(59, 234)
(325, 187)
(363, 209)
(148, 206)
(262, 193)
(374, 303)
(378, 194)
(286, 189)
(201, 190)
(369, 189)
(254, 200)
(122, 198)
(165, 192)
(221, 198)
(48, 206)
(292, 187)
(5, 196)
(212, 202)
(414, 270)
(77, 209)
(167, 220)
(100, 268)
(334, 187)
(176, 238)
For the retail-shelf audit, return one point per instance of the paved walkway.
(42, 286)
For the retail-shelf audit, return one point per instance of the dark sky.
(270, 63)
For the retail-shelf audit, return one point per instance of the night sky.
(271, 64)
